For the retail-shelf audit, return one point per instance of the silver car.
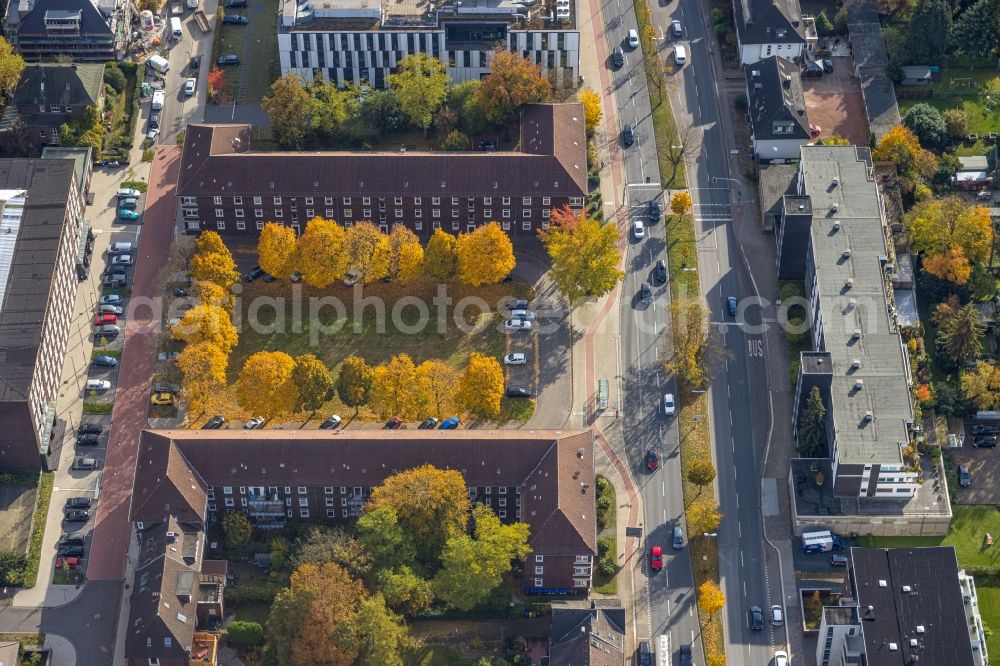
(515, 359)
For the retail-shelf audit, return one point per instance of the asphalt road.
(668, 597)
(739, 405)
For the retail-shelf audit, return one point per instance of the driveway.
(834, 102)
(984, 468)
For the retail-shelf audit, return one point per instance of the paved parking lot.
(984, 468)
(834, 102)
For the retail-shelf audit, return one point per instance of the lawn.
(434, 655)
(257, 46)
(253, 611)
(959, 88)
(988, 590)
(38, 528)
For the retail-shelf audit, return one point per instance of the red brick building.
(225, 186)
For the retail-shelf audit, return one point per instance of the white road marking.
(741, 558)
(744, 589)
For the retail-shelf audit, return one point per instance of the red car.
(101, 319)
(652, 460)
(655, 558)
(71, 562)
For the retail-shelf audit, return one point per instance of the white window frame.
(277, 201)
(217, 201)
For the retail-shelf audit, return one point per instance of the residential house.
(904, 606)
(41, 212)
(84, 30)
(362, 42)
(766, 28)
(776, 109)
(544, 478)
(225, 187)
(49, 95)
(916, 76)
(588, 634)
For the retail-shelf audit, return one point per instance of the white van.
(120, 248)
(175, 28)
(158, 64)
(680, 54)
(663, 650)
(128, 192)
(158, 97)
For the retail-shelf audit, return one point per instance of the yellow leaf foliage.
(481, 387)
(485, 256)
(276, 250)
(592, 109)
(207, 323)
(681, 202)
(951, 266)
(322, 252)
(265, 387)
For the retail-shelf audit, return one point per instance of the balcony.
(204, 649)
(266, 511)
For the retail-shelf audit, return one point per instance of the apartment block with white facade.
(41, 213)
(360, 42)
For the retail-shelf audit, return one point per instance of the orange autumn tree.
(216, 80)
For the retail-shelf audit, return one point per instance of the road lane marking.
(744, 589)
(741, 558)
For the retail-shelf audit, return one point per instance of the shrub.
(927, 123)
(115, 77)
(147, 155)
(823, 25)
(263, 591)
(242, 634)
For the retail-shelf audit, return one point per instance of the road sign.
(633, 531)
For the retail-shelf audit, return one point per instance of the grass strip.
(606, 576)
(664, 127)
(38, 528)
(98, 407)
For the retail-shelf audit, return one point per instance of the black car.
(230, 59)
(195, 62)
(77, 503)
(486, 144)
(180, 292)
(685, 655)
(984, 441)
(90, 439)
(267, 277)
(235, 19)
(236, 3)
(645, 654)
(813, 70)
(71, 551)
(628, 135)
(964, 478)
(519, 392)
(660, 271)
(330, 423)
(428, 424)
(68, 540)
(214, 423)
(77, 516)
(645, 292)
(654, 211)
(165, 387)
(828, 66)
(986, 429)
(89, 429)
(253, 274)
(755, 618)
(618, 56)
(393, 424)
(111, 164)
(154, 120)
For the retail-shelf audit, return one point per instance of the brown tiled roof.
(552, 162)
(555, 469)
(165, 484)
(587, 636)
(164, 603)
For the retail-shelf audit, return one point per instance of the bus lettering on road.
(756, 346)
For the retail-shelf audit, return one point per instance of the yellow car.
(162, 399)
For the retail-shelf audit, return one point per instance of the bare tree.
(688, 145)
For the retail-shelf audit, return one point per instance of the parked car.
(107, 330)
(514, 325)
(70, 551)
(111, 299)
(638, 230)
(77, 503)
(101, 319)
(988, 429)
(296, 277)
(676, 29)
(628, 135)
(827, 65)
(656, 558)
(645, 654)
(678, 537)
(89, 429)
(162, 399)
(669, 406)
(89, 439)
(486, 144)
(229, 59)
(633, 38)
(122, 260)
(518, 392)
(235, 19)
(652, 460)
(256, 423)
(154, 120)
(114, 280)
(660, 271)
(214, 423)
(450, 423)
(526, 315)
(77, 516)
(654, 211)
(129, 203)
(780, 658)
(984, 441)
(98, 385)
(128, 193)
(253, 274)
(103, 361)
(330, 423)
(838, 560)
(428, 424)
(189, 86)
(116, 310)
(195, 61)
(394, 423)
(70, 540)
(514, 359)
(777, 616)
(129, 215)
(68, 562)
(520, 304)
(236, 3)
(618, 56)
(267, 277)
(964, 477)
(755, 618)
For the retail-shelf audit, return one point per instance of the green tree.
(242, 634)
(237, 529)
(289, 107)
(421, 85)
(812, 426)
(375, 633)
(382, 109)
(481, 386)
(960, 333)
(354, 383)
(956, 121)
(927, 123)
(584, 254)
(331, 108)
(473, 566)
(13, 566)
(114, 76)
(456, 141)
(313, 380)
(440, 256)
(322, 252)
(485, 256)
(431, 504)
(929, 31)
(385, 538)
(823, 25)
(840, 20)
(11, 66)
(404, 590)
(276, 250)
(975, 32)
(333, 544)
(463, 99)
(513, 81)
(266, 384)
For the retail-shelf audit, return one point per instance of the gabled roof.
(92, 22)
(769, 22)
(164, 602)
(552, 162)
(775, 103)
(166, 486)
(71, 84)
(587, 636)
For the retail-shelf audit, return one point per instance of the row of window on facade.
(367, 201)
(278, 213)
(418, 225)
(330, 512)
(356, 491)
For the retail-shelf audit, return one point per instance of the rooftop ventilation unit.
(834, 207)
(868, 415)
(881, 583)
(836, 225)
(893, 647)
(847, 253)
(849, 283)
(907, 589)
(914, 643)
(860, 384)
(920, 628)
(856, 335)
(856, 363)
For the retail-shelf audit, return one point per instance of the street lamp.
(739, 192)
(710, 534)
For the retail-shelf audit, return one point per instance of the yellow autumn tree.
(697, 348)
(710, 598)
(276, 250)
(209, 242)
(368, 252)
(406, 255)
(209, 293)
(265, 386)
(951, 234)
(440, 257)
(982, 386)
(481, 386)
(485, 256)
(392, 388)
(203, 371)
(217, 267)
(901, 147)
(681, 202)
(951, 265)
(322, 252)
(583, 252)
(592, 109)
(435, 388)
(206, 323)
